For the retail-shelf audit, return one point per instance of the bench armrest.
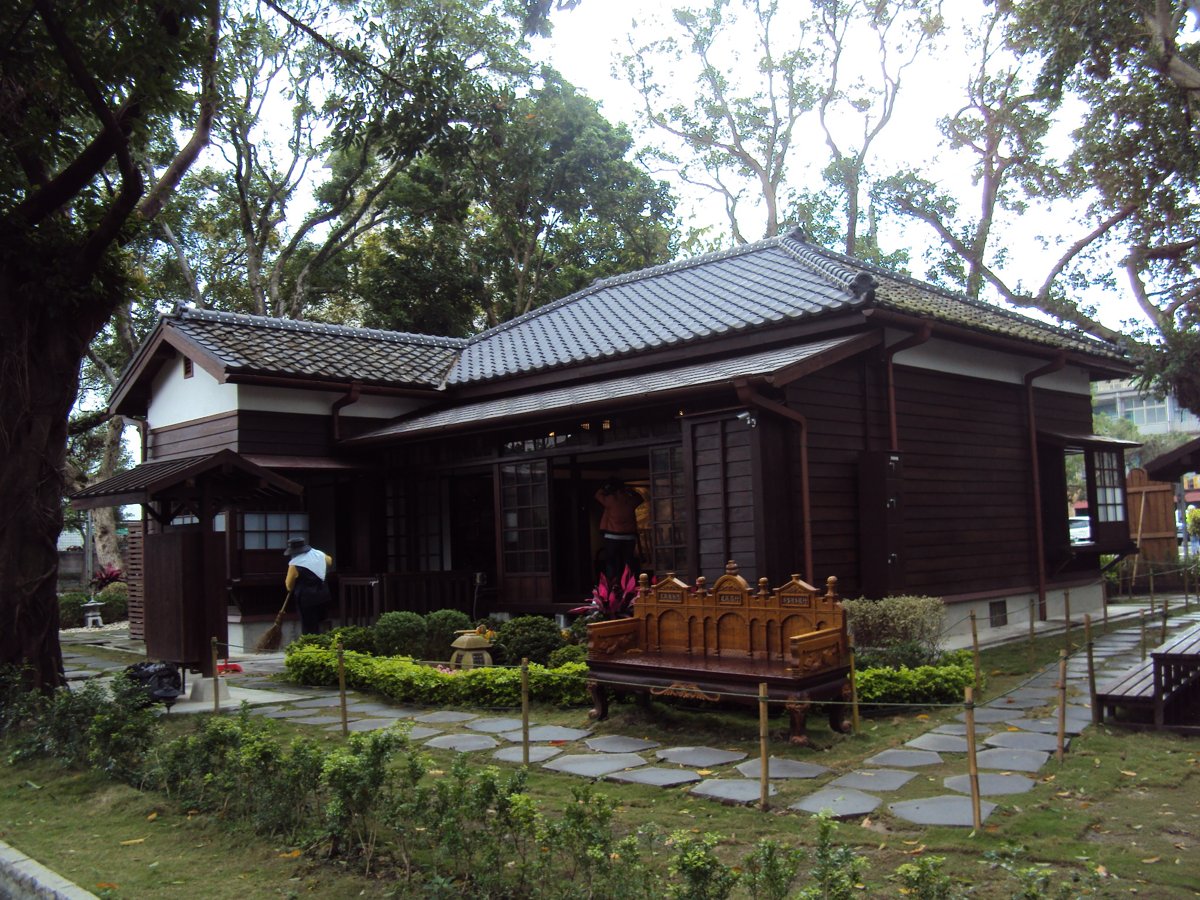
(817, 651)
(615, 637)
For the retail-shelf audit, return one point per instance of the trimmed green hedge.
(921, 685)
(401, 679)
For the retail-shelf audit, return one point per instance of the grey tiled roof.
(579, 397)
(719, 293)
(776, 281)
(270, 346)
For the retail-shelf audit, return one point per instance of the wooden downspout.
(341, 403)
(747, 395)
(913, 340)
(1038, 531)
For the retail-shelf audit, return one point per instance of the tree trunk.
(48, 321)
(104, 519)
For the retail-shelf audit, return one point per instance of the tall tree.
(543, 204)
(1136, 66)
(737, 134)
(80, 115)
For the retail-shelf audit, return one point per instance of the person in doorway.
(305, 580)
(618, 527)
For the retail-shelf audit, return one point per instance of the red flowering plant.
(105, 576)
(611, 600)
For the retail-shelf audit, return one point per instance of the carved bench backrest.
(730, 618)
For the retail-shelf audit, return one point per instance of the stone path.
(1017, 736)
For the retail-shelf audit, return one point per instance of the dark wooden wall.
(720, 451)
(255, 432)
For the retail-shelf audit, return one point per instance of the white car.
(1080, 528)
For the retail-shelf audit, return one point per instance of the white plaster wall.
(1086, 599)
(291, 400)
(939, 355)
(175, 399)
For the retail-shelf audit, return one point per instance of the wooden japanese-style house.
(778, 404)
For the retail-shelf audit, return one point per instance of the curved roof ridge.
(183, 313)
(626, 278)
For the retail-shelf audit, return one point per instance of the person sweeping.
(305, 580)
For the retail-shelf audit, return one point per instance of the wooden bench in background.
(721, 642)
(1161, 693)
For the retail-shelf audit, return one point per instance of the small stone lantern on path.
(470, 650)
(91, 614)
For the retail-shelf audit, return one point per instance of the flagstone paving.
(657, 776)
(732, 790)
(946, 810)
(537, 753)
(841, 803)
(782, 768)
(463, 743)
(991, 784)
(874, 779)
(594, 765)
(614, 743)
(941, 743)
(701, 757)
(904, 758)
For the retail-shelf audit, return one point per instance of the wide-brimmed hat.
(296, 546)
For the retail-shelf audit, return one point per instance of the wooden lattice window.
(668, 511)
(525, 517)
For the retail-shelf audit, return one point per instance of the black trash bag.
(161, 681)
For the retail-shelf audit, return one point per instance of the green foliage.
(353, 638)
(406, 681)
(355, 778)
(770, 869)
(702, 874)
(236, 767)
(837, 868)
(115, 598)
(941, 683)
(123, 731)
(70, 608)
(400, 634)
(58, 725)
(923, 879)
(571, 653)
(911, 626)
(320, 641)
(1037, 881)
(529, 637)
(440, 628)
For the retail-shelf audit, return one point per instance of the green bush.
(529, 637)
(115, 598)
(405, 681)
(323, 641)
(355, 638)
(910, 627)
(571, 653)
(921, 685)
(70, 608)
(400, 634)
(440, 628)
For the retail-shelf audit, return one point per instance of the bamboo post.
(1162, 635)
(975, 648)
(1031, 634)
(341, 658)
(972, 763)
(525, 711)
(853, 695)
(1104, 601)
(1150, 574)
(216, 685)
(1087, 639)
(764, 784)
(1062, 704)
(1142, 623)
(1067, 616)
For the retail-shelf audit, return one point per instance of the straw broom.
(273, 636)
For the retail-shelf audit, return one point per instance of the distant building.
(1152, 415)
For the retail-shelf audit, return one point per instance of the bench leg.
(599, 710)
(837, 712)
(798, 714)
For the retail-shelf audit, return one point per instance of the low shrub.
(942, 683)
(400, 634)
(405, 681)
(907, 628)
(355, 638)
(115, 598)
(440, 628)
(571, 653)
(529, 637)
(70, 608)
(324, 641)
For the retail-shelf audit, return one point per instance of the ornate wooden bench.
(721, 643)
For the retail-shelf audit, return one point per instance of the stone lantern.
(470, 650)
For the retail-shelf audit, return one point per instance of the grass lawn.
(1129, 802)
